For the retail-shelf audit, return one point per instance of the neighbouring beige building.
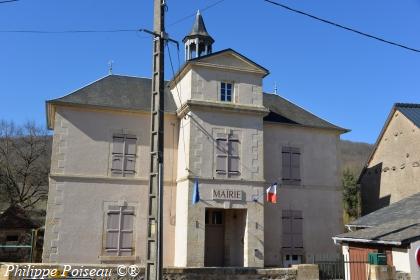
(221, 129)
(393, 169)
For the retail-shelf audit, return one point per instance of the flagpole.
(255, 199)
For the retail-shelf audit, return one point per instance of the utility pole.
(154, 247)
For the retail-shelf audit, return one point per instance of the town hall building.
(221, 131)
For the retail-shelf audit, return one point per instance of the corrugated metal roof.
(411, 111)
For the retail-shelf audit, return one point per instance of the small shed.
(18, 235)
(392, 230)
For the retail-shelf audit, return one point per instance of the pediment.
(231, 60)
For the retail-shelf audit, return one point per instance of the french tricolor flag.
(272, 193)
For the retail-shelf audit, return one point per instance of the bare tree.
(24, 163)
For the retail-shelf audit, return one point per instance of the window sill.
(118, 258)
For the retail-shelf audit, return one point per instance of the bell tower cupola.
(198, 42)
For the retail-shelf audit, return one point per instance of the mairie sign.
(226, 194)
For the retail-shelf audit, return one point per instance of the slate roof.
(395, 224)
(397, 232)
(199, 29)
(133, 93)
(282, 110)
(115, 91)
(411, 111)
(406, 208)
(15, 217)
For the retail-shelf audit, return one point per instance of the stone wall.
(297, 272)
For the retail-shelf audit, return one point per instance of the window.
(119, 231)
(214, 217)
(292, 228)
(123, 154)
(227, 154)
(226, 91)
(291, 165)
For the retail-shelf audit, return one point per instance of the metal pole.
(154, 246)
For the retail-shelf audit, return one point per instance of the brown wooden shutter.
(287, 240)
(233, 151)
(130, 145)
(118, 144)
(117, 154)
(297, 229)
(295, 164)
(112, 231)
(286, 164)
(221, 152)
(127, 227)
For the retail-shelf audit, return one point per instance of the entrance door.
(214, 238)
(289, 260)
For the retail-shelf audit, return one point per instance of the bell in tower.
(198, 42)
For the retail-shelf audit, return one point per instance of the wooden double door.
(224, 237)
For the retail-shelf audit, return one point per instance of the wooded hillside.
(354, 155)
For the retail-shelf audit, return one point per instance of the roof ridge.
(407, 105)
(308, 111)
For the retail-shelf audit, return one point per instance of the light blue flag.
(196, 192)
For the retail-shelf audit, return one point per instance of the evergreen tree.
(351, 200)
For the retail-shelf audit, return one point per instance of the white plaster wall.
(81, 182)
(346, 255)
(81, 217)
(320, 165)
(254, 228)
(206, 85)
(414, 268)
(319, 196)
(401, 259)
(184, 148)
(181, 92)
(86, 145)
(200, 128)
(181, 229)
(204, 126)
(394, 171)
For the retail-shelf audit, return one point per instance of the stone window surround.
(106, 258)
(227, 132)
(300, 147)
(123, 131)
(232, 91)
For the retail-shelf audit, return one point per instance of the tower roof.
(199, 29)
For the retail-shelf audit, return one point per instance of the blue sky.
(349, 80)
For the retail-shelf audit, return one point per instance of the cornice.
(221, 106)
(222, 181)
(143, 181)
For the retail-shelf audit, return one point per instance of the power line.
(69, 31)
(99, 31)
(7, 1)
(193, 14)
(342, 26)
(179, 96)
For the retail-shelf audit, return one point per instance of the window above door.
(226, 91)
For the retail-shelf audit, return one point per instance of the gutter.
(338, 240)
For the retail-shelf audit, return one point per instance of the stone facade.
(298, 272)
(393, 171)
(82, 186)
